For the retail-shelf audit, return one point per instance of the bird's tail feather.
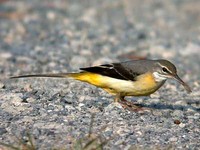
(84, 76)
(56, 75)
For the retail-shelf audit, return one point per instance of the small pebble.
(5, 55)
(66, 101)
(2, 85)
(177, 122)
(173, 139)
(182, 125)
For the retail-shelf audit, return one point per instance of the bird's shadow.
(161, 106)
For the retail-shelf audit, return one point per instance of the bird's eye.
(164, 69)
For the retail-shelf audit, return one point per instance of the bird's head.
(164, 69)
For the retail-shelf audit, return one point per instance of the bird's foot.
(131, 106)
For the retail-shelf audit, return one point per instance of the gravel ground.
(63, 35)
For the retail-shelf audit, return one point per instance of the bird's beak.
(187, 88)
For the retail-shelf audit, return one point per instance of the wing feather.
(114, 70)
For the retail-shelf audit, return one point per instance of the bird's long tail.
(56, 75)
(91, 78)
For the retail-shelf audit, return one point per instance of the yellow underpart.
(91, 78)
(144, 84)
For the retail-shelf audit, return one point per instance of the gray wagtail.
(129, 78)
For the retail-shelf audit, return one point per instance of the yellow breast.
(146, 85)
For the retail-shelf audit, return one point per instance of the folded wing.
(115, 70)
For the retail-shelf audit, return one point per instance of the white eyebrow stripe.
(165, 67)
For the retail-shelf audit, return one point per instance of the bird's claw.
(131, 106)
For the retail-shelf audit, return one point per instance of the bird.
(127, 78)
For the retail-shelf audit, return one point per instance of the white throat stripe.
(158, 77)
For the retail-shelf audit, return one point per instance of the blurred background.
(64, 35)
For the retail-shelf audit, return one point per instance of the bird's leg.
(117, 98)
(127, 105)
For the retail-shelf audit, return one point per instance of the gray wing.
(126, 70)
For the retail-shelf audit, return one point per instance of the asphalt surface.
(61, 36)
